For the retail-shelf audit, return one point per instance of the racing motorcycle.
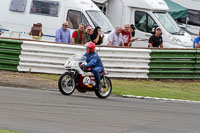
(82, 79)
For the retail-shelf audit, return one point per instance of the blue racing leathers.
(94, 61)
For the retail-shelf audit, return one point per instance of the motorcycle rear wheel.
(104, 92)
(66, 84)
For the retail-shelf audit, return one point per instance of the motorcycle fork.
(74, 75)
(104, 81)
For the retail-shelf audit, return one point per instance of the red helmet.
(91, 45)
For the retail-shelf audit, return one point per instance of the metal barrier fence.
(9, 54)
(50, 58)
(175, 64)
(43, 57)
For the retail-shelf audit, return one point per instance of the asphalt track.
(35, 111)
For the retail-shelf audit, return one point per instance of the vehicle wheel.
(66, 84)
(104, 92)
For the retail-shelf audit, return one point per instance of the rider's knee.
(94, 70)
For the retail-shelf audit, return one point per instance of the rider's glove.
(83, 67)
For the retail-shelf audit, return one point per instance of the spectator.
(115, 38)
(126, 35)
(79, 36)
(63, 34)
(197, 42)
(0, 31)
(97, 36)
(132, 31)
(156, 39)
(36, 32)
(89, 32)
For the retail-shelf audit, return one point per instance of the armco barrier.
(9, 54)
(50, 58)
(175, 64)
(43, 57)
(127, 63)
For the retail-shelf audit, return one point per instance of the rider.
(93, 60)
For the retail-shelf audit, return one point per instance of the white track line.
(156, 98)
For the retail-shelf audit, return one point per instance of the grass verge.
(8, 131)
(172, 89)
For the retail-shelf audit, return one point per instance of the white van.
(18, 16)
(145, 15)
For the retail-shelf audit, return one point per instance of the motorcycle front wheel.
(106, 90)
(66, 84)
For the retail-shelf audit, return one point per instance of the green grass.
(49, 76)
(173, 89)
(8, 131)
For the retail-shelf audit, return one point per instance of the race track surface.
(36, 111)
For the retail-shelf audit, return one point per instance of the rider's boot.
(99, 85)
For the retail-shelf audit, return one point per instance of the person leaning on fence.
(115, 38)
(79, 36)
(63, 34)
(197, 42)
(36, 32)
(132, 31)
(89, 32)
(97, 37)
(156, 39)
(126, 35)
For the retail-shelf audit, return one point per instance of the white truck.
(193, 24)
(18, 16)
(145, 15)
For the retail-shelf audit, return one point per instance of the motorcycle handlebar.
(79, 64)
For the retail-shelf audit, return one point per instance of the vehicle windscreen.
(168, 22)
(99, 19)
(77, 57)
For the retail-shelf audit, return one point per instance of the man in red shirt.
(79, 36)
(126, 35)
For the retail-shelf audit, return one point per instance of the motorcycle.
(82, 79)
